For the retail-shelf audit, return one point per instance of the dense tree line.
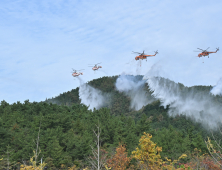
(66, 127)
(66, 132)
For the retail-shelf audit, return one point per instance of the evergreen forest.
(62, 133)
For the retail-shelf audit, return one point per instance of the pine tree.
(56, 152)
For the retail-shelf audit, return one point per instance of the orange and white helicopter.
(75, 73)
(205, 52)
(96, 67)
(143, 56)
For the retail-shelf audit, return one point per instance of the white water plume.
(189, 101)
(135, 64)
(90, 96)
(138, 67)
(217, 90)
(133, 87)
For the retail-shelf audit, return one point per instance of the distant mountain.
(118, 102)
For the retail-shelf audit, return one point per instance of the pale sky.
(41, 41)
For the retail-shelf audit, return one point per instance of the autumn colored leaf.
(120, 160)
(148, 154)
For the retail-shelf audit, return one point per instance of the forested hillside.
(120, 103)
(64, 128)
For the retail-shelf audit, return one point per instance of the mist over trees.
(66, 134)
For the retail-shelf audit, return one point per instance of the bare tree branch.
(97, 161)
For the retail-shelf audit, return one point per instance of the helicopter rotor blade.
(136, 52)
(207, 48)
(200, 49)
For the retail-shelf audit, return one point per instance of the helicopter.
(75, 73)
(96, 67)
(205, 52)
(143, 55)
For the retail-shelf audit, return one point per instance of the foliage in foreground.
(147, 156)
(66, 133)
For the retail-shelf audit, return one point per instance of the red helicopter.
(143, 56)
(96, 67)
(75, 73)
(205, 52)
